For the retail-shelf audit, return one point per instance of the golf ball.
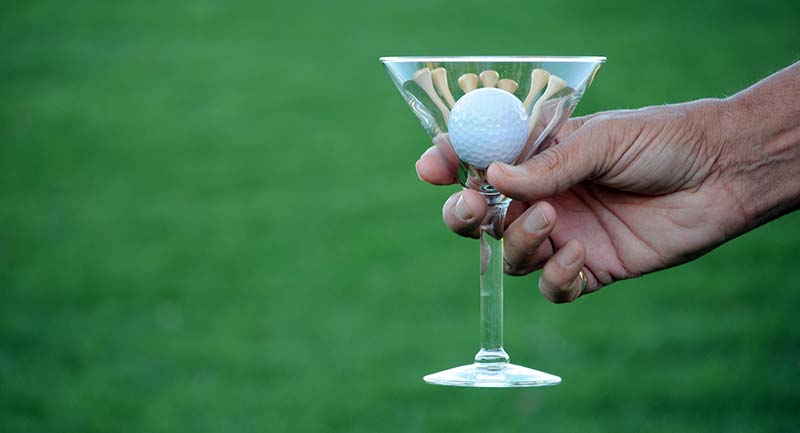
(488, 125)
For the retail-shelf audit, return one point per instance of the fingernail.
(536, 220)
(462, 210)
(430, 149)
(568, 257)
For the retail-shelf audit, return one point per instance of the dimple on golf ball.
(488, 125)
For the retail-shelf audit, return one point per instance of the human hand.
(618, 194)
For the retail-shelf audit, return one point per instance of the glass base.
(492, 375)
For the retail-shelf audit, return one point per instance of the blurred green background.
(210, 222)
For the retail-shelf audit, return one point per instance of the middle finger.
(526, 243)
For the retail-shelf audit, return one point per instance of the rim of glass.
(530, 59)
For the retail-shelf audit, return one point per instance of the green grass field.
(210, 222)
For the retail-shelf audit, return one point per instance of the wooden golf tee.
(439, 77)
(468, 82)
(554, 85)
(489, 78)
(423, 79)
(538, 81)
(508, 85)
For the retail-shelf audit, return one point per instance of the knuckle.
(448, 206)
(514, 269)
(551, 159)
(557, 294)
(548, 291)
(562, 296)
(599, 122)
(604, 138)
(462, 229)
(557, 297)
(566, 289)
(560, 300)
(445, 213)
(470, 235)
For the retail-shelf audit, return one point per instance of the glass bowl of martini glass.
(492, 109)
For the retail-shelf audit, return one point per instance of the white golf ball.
(488, 125)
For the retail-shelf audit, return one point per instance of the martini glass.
(549, 88)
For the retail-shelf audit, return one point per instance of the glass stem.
(492, 353)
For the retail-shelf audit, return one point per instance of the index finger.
(439, 164)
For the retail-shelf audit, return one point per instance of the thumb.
(581, 156)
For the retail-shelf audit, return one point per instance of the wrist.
(759, 156)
